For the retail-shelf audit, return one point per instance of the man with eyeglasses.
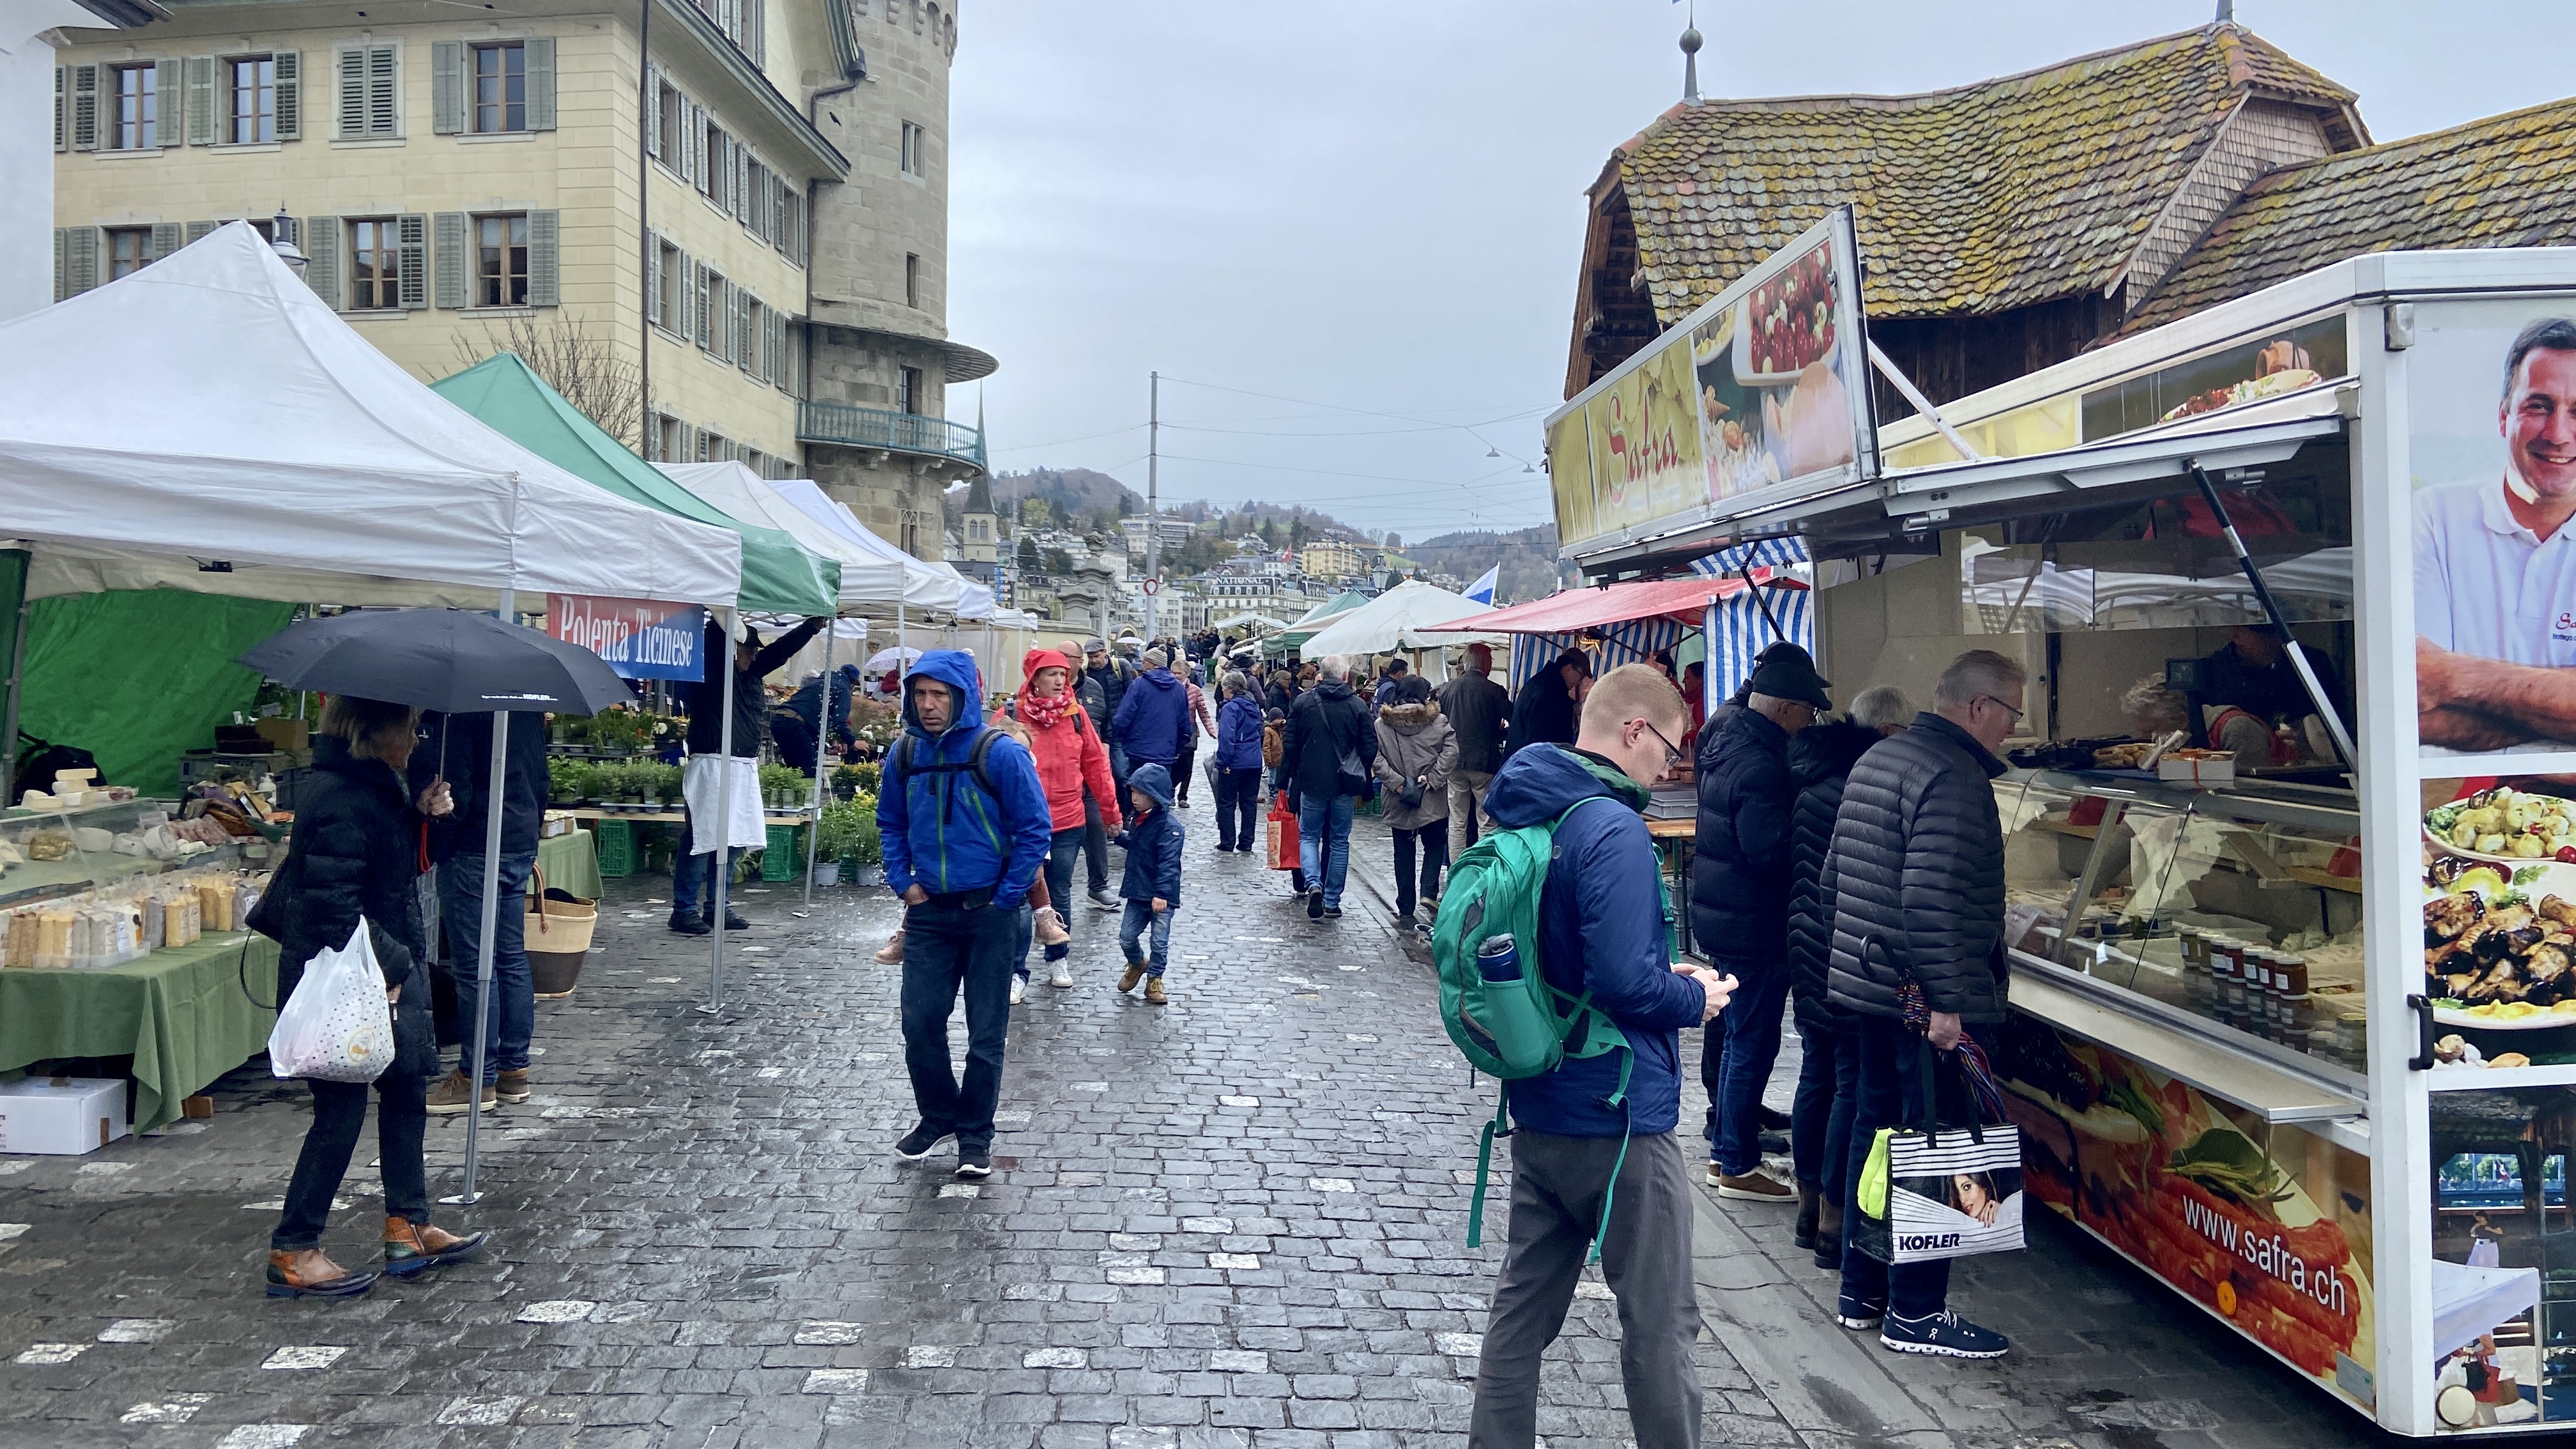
(1740, 904)
(1915, 885)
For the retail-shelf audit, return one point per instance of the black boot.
(1804, 1234)
(1829, 1236)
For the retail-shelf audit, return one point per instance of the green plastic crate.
(782, 858)
(616, 848)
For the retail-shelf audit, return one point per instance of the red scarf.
(1044, 711)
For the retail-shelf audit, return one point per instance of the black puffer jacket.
(355, 852)
(1821, 757)
(1916, 875)
(1325, 721)
(1740, 866)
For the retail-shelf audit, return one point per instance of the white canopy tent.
(1395, 620)
(867, 577)
(208, 424)
(926, 586)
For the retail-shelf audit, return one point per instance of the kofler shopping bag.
(1946, 1192)
(1282, 835)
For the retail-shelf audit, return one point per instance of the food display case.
(58, 852)
(2293, 965)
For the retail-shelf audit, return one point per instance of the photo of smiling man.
(2495, 558)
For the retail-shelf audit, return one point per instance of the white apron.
(699, 779)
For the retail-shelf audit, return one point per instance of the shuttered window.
(411, 245)
(199, 230)
(62, 108)
(541, 82)
(323, 256)
(446, 87)
(129, 250)
(706, 283)
(134, 100)
(75, 260)
(545, 252)
(249, 100)
(450, 259)
(288, 66)
(200, 72)
(370, 94)
(84, 104)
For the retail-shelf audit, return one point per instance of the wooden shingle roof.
(2508, 180)
(1971, 200)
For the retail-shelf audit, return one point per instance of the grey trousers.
(1557, 1185)
(1466, 807)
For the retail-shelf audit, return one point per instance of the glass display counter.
(60, 852)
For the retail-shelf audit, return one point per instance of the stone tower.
(874, 424)
(980, 528)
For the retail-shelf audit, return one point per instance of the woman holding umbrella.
(355, 855)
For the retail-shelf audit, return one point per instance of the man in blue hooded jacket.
(962, 847)
(1604, 935)
(1152, 724)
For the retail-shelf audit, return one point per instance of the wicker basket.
(558, 929)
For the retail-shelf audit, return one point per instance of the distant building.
(1175, 532)
(978, 554)
(1332, 559)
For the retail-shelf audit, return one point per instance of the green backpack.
(1514, 1025)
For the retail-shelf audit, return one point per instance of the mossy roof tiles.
(1970, 200)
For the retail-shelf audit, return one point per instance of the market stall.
(1413, 618)
(2289, 957)
(253, 446)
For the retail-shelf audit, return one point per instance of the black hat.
(1792, 676)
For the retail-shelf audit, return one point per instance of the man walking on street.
(1740, 904)
(1328, 755)
(1916, 878)
(1481, 712)
(1603, 939)
(1152, 721)
(463, 742)
(965, 826)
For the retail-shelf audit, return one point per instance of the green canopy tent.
(1311, 623)
(505, 394)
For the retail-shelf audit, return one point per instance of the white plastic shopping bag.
(337, 1026)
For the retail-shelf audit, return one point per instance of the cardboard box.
(65, 1116)
(2199, 773)
(286, 734)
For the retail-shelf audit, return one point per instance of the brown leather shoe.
(418, 1247)
(891, 953)
(451, 1095)
(513, 1086)
(1133, 974)
(310, 1273)
(1154, 992)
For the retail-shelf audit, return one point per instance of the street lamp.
(281, 239)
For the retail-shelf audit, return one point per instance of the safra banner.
(1947, 1194)
(640, 638)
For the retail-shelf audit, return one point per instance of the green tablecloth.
(571, 863)
(181, 1014)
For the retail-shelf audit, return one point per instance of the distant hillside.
(1078, 489)
(1528, 559)
(1092, 501)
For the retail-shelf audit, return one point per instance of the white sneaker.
(1062, 978)
(1019, 989)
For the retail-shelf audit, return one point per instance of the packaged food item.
(49, 845)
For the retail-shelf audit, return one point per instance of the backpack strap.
(1500, 1126)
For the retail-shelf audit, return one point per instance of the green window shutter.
(411, 254)
(451, 259)
(322, 252)
(290, 94)
(384, 96)
(742, 184)
(353, 93)
(447, 87)
(544, 257)
(198, 231)
(746, 317)
(62, 109)
(80, 259)
(541, 82)
(651, 110)
(165, 238)
(652, 280)
(84, 108)
(702, 296)
(62, 263)
(201, 101)
(169, 91)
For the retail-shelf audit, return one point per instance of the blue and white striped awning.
(1776, 552)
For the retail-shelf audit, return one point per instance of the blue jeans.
(693, 884)
(1062, 849)
(1324, 844)
(1889, 1088)
(1752, 1022)
(949, 951)
(514, 999)
(1141, 918)
(1821, 1117)
(1238, 794)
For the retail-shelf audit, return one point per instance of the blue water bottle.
(1499, 959)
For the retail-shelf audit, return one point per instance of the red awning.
(1570, 611)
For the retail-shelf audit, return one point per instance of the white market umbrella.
(867, 577)
(1399, 619)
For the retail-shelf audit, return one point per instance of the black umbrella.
(442, 659)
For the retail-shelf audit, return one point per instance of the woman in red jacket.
(1070, 758)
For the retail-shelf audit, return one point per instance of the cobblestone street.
(1232, 1223)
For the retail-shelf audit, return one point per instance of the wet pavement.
(1235, 1222)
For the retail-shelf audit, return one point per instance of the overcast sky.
(1375, 210)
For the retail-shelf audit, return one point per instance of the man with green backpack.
(1554, 950)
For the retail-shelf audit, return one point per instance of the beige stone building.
(655, 182)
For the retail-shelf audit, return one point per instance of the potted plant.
(866, 855)
(837, 836)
